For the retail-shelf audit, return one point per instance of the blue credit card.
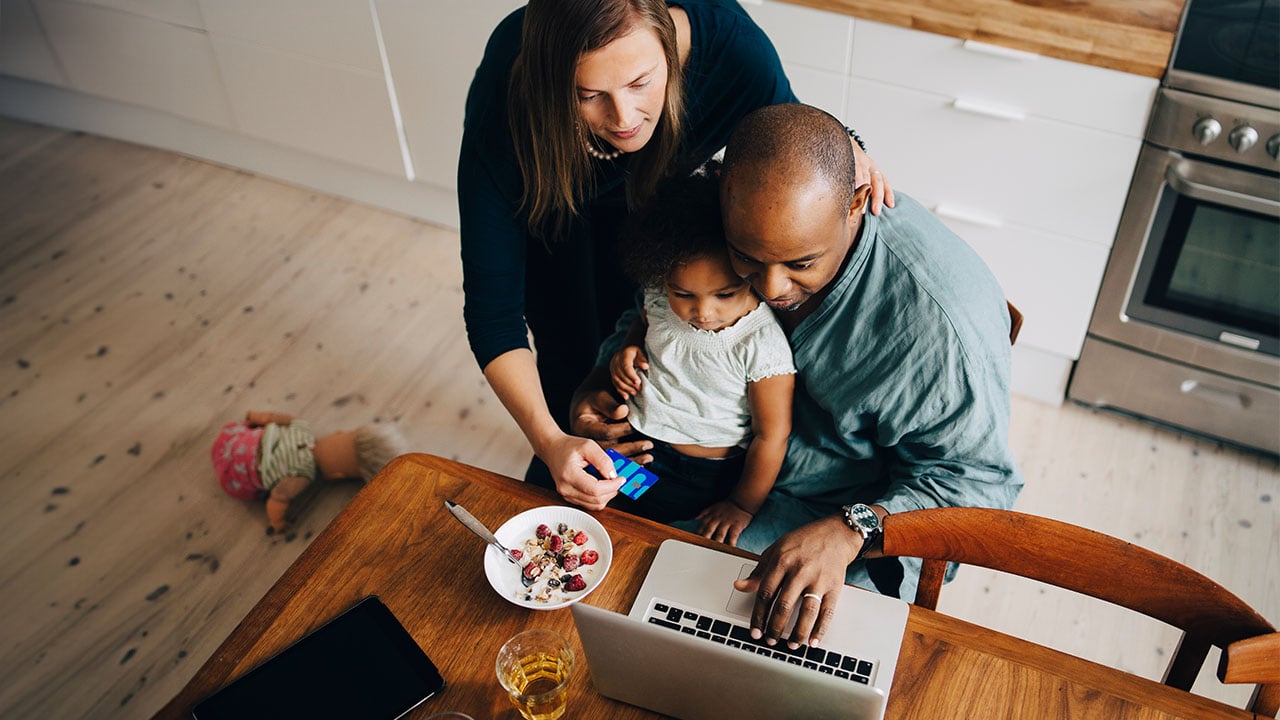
(638, 479)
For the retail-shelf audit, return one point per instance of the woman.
(577, 110)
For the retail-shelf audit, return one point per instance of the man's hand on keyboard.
(806, 562)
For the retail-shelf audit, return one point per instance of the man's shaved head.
(789, 143)
(791, 213)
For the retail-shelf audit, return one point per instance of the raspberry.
(557, 542)
(570, 562)
(532, 570)
(589, 557)
(517, 554)
(574, 583)
(542, 531)
(580, 538)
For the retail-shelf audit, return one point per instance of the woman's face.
(622, 87)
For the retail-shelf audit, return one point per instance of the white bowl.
(505, 577)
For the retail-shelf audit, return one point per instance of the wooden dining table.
(396, 540)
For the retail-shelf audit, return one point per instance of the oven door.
(1195, 272)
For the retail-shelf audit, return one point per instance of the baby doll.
(274, 456)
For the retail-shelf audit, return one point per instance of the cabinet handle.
(994, 111)
(1214, 395)
(949, 212)
(999, 51)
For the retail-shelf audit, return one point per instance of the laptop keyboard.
(725, 631)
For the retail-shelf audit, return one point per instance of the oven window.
(1219, 264)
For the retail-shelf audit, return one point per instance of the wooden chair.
(1084, 561)
(1255, 660)
(1015, 322)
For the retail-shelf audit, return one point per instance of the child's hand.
(723, 522)
(623, 370)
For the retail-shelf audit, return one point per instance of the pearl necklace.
(597, 154)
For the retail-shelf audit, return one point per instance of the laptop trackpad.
(741, 603)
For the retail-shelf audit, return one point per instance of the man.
(901, 339)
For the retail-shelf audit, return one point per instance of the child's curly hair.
(679, 223)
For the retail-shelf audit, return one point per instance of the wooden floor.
(146, 299)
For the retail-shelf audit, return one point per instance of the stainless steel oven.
(1186, 330)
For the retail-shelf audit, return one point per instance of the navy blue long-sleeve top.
(731, 70)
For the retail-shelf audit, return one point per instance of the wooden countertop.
(1133, 37)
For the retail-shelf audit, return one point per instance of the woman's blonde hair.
(543, 107)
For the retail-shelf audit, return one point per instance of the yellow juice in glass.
(537, 679)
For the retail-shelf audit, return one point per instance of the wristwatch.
(864, 521)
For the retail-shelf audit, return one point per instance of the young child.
(706, 370)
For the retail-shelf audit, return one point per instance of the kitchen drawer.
(1053, 176)
(1012, 81)
(1115, 376)
(1052, 279)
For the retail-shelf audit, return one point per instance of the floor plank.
(147, 298)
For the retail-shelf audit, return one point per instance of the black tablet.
(361, 664)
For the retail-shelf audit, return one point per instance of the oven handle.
(1178, 180)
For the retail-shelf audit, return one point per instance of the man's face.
(788, 239)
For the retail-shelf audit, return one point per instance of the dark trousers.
(686, 485)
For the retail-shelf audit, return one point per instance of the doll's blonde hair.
(377, 445)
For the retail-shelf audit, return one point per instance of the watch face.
(865, 516)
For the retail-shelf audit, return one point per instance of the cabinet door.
(24, 50)
(1052, 279)
(135, 59)
(433, 50)
(334, 111)
(334, 31)
(814, 46)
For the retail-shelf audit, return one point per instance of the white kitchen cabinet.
(24, 49)
(433, 50)
(135, 59)
(176, 12)
(1023, 82)
(1027, 158)
(805, 36)
(1047, 276)
(1031, 171)
(334, 31)
(333, 111)
(814, 46)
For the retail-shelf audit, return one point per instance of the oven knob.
(1242, 138)
(1206, 130)
(1273, 147)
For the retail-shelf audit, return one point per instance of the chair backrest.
(1015, 322)
(1255, 660)
(1081, 560)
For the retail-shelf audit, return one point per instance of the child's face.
(706, 293)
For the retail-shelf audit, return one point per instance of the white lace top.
(695, 391)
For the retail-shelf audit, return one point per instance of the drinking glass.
(535, 666)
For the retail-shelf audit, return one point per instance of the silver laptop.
(684, 649)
